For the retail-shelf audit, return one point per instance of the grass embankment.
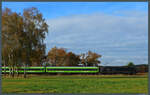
(76, 84)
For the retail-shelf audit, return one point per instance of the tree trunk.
(24, 70)
(17, 72)
(9, 71)
(18, 66)
(13, 71)
(4, 69)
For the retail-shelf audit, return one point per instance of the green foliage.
(130, 64)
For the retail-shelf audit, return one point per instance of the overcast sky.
(117, 31)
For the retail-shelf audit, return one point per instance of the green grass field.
(76, 84)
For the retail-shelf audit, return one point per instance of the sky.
(116, 30)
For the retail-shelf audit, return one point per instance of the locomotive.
(118, 70)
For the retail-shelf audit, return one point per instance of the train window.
(74, 69)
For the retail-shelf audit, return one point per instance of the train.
(118, 70)
(72, 70)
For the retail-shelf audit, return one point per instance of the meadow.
(76, 84)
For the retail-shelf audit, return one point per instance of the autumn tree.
(56, 56)
(90, 59)
(59, 57)
(23, 38)
(35, 28)
(11, 29)
(72, 59)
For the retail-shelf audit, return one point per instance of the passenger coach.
(48, 70)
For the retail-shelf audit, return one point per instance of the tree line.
(23, 44)
(60, 57)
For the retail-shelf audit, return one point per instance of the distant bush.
(131, 64)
